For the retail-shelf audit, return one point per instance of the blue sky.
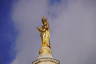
(54, 1)
(73, 32)
(8, 32)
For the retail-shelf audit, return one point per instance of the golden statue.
(44, 33)
(45, 52)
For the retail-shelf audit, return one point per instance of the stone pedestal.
(46, 61)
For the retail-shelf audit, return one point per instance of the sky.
(72, 25)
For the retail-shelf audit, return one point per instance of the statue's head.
(44, 20)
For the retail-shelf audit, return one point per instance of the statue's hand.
(41, 29)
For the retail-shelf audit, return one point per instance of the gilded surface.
(45, 53)
(44, 33)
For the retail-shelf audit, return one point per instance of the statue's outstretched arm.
(40, 29)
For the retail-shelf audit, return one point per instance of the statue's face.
(44, 21)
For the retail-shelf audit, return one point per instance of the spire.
(45, 38)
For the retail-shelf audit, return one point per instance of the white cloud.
(27, 16)
(73, 30)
